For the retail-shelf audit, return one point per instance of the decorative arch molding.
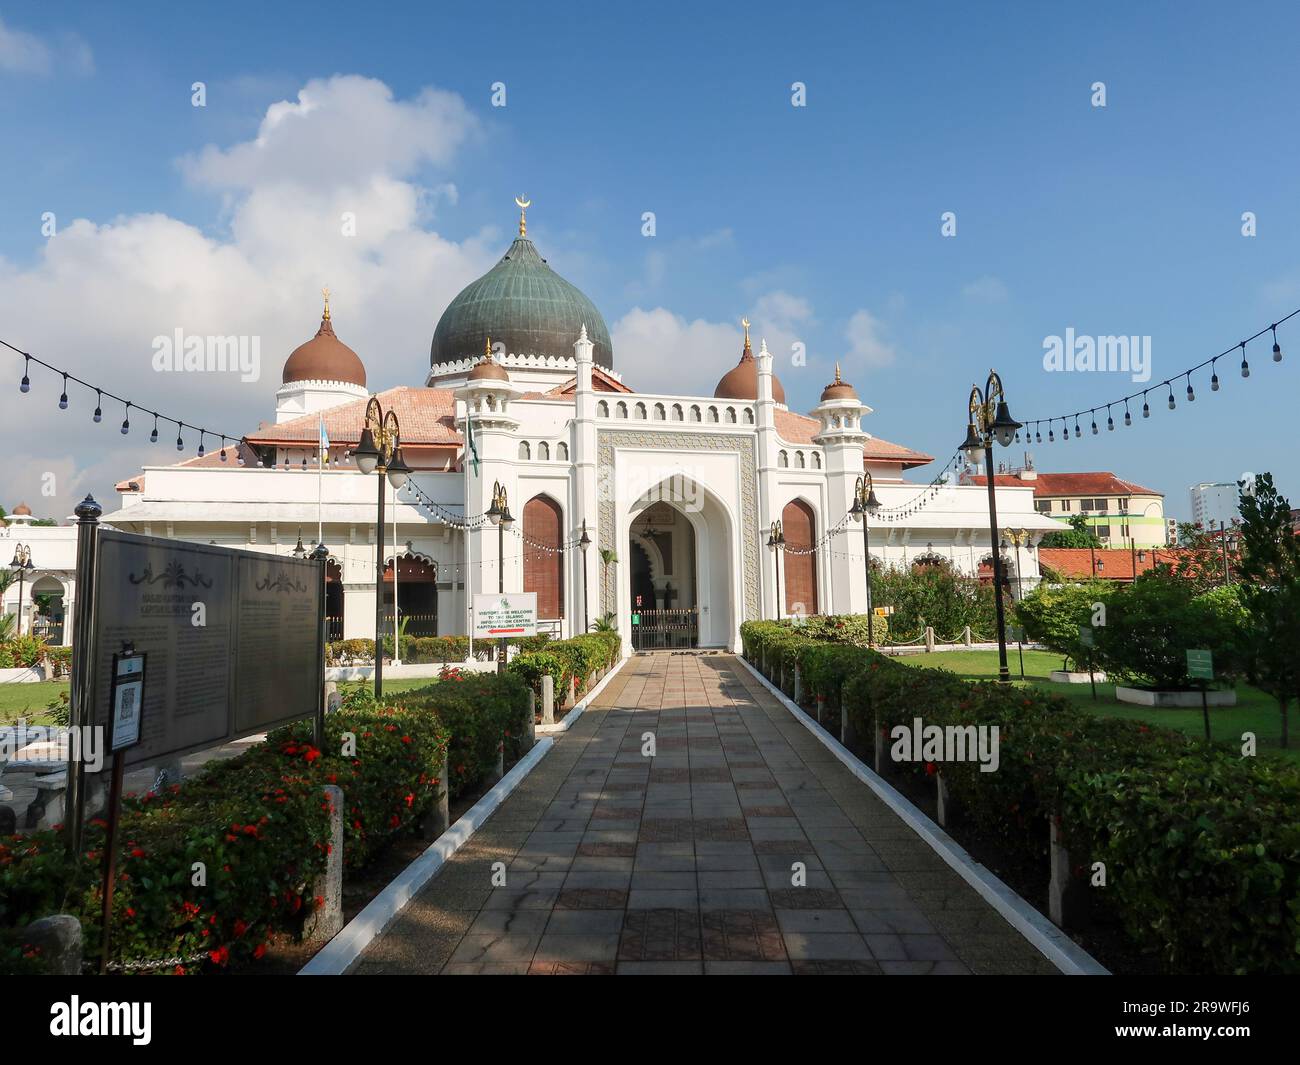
(543, 523)
(799, 524)
(742, 445)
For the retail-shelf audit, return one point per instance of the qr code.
(127, 703)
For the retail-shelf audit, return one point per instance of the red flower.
(259, 950)
(219, 956)
(136, 852)
(240, 928)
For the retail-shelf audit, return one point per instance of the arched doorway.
(333, 600)
(417, 594)
(799, 524)
(44, 609)
(543, 556)
(690, 539)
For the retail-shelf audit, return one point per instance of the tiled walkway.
(688, 861)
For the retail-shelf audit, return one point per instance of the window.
(544, 451)
(677, 412)
(562, 451)
(1103, 532)
(798, 459)
(1065, 506)
(602, 409)
(713, 414)
(660, 414)
(695, 414)
(524, 452)
(620, 411)
(639, 411)
(1043, 506)
(731, 415)
(782, 459)
(817, 460)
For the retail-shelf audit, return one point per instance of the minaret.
(843, 441)
(766, 451)
(586, 489)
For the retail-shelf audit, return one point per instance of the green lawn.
(1255, 711)
(29, 700)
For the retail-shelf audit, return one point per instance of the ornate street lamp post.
(584, 542)
(1019, 538)
(991, 422)
(776, 541)
(866, 504)
(380, 452)
(500, 516)
(22, 563)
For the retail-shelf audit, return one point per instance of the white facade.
(1214, 504)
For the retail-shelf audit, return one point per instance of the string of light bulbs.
(1168, 383)
(128, 405)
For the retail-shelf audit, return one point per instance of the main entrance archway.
(678, 584)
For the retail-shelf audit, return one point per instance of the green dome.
(525, 305)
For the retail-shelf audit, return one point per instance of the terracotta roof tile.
(427, 416)
(800, 429)
(1112, 563)
(1072, 484)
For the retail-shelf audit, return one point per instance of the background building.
(1214, 504)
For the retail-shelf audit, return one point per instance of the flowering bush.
(210, 869)
(19, 652)
(578, 657)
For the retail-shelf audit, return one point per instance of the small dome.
(324, 358)
(741, 381)
(21, 510)
(839, 389)
(487, 368)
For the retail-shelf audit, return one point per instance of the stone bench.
(49, 808)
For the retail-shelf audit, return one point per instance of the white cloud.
(26, 53)
(867, 347)
(100, 292)
(987, 289)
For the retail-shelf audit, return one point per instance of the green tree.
(1269, 572)
(1052, 615)
(1079, 535)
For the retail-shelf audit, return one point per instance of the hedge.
(259, 824)
(1201, 846)
(579, 657)
(419, 649)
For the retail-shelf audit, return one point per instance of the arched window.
(602, 409)
(562, 451)
(782, 459)
(621, 410)
(661, 415)
(525, 452)
(695, 414)
(731, 415)
(713, 414)
(677, 412)
(817, 460)
(749, 415)
(639, 411)
(544, 566)
(544, 452)
(798, 459)
(799, 525)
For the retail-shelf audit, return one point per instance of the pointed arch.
(799, 523)
(544, 566)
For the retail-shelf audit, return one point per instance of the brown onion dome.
(741, 381)
(324, 358)
(839, 388)
(22, 509)
(487, 368)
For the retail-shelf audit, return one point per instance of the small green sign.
(1017, 633)
(636, 619)
(1200, 665)
(1085, 635)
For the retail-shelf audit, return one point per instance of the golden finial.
(837, 374)
(326, 293)
(523, 206)
(487, 350)
(745, 323)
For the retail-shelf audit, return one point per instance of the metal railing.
(661, 629)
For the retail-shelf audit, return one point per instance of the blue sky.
(821, 223)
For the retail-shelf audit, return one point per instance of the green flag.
(469, 439)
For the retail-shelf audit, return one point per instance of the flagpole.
(321, 445)
(397, 647)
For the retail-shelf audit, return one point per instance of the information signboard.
(1200, 665)
(499, 615)
(232, 639)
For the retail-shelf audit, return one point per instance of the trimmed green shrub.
(1052, 615)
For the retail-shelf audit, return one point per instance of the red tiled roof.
(1112, 563)
(1071, 484)
(211, 457)
(600, 382)
(426, 416)
(800, 429)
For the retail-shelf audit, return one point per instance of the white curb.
(566, 722)
(341, 951)
(1050, 941)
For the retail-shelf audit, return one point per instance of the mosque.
(655, 512)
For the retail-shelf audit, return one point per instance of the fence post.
(81, 709)
(499, 770)
(798, 684)
(945, 810)
(438, 819)
(326, 920)
(548, 700)
(965, 635)
(1067, 899)
(848, 736)
(929, 637)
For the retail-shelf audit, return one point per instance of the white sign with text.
(505, 614)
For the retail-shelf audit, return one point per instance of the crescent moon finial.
(326, 293)
(523, 203)
(745, 323)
